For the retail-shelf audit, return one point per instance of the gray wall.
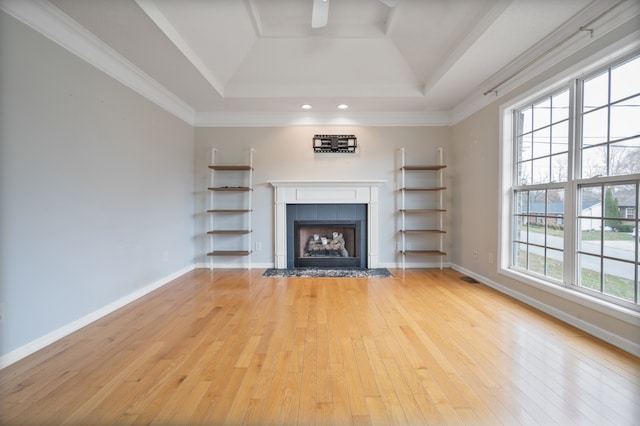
(475, 156)
(96, 185)
(285, 153)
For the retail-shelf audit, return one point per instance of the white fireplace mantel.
(326, 192)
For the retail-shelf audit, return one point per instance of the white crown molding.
(305, 118)
(566, 41)
(48, 20)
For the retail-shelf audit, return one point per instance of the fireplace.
(325, 195)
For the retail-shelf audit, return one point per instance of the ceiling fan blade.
(320, 13)
(390, 3)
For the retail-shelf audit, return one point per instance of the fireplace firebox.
(326, 243)
(326, 235)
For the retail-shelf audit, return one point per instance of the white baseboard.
(49, 338)
(235, 265)
(415, 265)
(606, 335)
(268, 265)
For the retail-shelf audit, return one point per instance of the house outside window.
(575, 185)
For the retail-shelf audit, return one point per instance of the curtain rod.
(584, 28)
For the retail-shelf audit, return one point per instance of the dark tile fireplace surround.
(348, 221)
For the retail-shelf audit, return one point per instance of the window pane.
(620, 244)
(525, 118)
(594, 162)
(591, 199)
(536, 202)
(524, 173)
(540, 172)
(625, 119)
(590, 237)
(625, 157)
(596, 92)
(520, 255)
(525, 147)
(555, 202)
(589, 271)
(555, 234)
(624, 80)
(619, 279)
(554, 264)
(560, 137)
(541, 142)
(536, 260)
(555, 215)
(542, 114)
(587, 224)
(522, 201)
(520, 229)
(560, 107)
(613, 196)
(559, 168)
(535, 233)
(594, 127)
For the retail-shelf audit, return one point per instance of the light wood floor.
(232, 347)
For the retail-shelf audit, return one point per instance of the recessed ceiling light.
(306, 106)
(343, 106)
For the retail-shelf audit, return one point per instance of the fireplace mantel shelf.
(324, 183)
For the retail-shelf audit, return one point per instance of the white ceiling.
(242, 61)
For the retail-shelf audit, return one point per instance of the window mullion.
(571, 208)
(571, 211)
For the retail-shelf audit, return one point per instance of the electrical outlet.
(408, 246)
(491, 258)
(258, 246)
(475, 253)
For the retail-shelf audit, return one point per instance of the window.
(541, 170)
(575, 185)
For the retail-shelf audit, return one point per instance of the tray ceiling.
(228, 60)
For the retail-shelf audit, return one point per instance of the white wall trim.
(49, 338)
(49, 21)
(414, 265)
(606, 335)
(233, 265)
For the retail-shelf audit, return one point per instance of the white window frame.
(564, 289)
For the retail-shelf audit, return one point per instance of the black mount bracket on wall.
(335, 143)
